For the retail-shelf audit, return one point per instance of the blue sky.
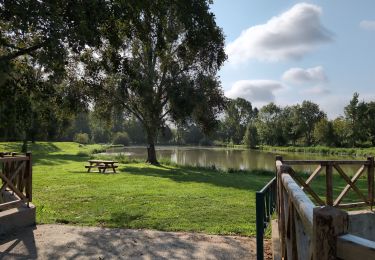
(290, 51)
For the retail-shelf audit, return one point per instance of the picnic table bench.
(102, 165)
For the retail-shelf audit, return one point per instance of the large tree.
(238, 114)
(269, 125)
(165, 67)
(355, 114)
(308, 114)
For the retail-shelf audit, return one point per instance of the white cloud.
(317, 90)
(255, 91)
(367, 25)
(290, 35)
(305, 76)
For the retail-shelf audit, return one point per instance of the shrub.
(121, 138)
(81, 138)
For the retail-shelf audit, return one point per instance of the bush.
(81, 138)
(121, 138)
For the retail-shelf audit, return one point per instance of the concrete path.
(73, 242)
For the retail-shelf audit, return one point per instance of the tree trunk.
(24, 146)
(151, 153)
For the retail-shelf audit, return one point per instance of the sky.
(289, 51)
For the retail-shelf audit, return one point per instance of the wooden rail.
(329, 166)
(310, 231)
(16, 180)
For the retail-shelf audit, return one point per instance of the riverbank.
(358, 152)
(166, 197)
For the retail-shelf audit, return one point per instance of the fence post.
(370, 180)
(329, 187)
(259, 204)
(29, 178)
(328, 224)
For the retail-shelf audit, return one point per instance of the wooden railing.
(16, 180)
(309, 231)
(330, 165)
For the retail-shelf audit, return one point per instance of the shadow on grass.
(37, 148)
(58, 159)
(249, 180)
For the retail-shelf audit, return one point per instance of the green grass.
(168, 197)
(322, 150)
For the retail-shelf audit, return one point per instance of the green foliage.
(250, 138)
(170, 70)
(238, 114)
(269, 125)
(355, 115)
(308, 115)
(324, 133)
(121, 138)
(205, 141)
(81, 138)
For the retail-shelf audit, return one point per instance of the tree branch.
(21, 52)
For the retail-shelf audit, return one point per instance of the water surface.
(224, 158)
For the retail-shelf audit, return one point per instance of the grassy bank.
(168, 197)
(322, 150)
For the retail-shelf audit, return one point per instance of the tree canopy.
(165, 67)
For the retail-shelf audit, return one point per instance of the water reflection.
(224, 158)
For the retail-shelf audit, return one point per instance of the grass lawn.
(169, 198)
(370, 151)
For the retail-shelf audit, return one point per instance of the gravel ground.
(74, 242)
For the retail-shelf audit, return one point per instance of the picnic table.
(102, 165)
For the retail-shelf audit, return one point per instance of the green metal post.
(259, 203)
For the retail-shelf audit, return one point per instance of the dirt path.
(72, 242)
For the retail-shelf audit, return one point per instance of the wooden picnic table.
(102, 165)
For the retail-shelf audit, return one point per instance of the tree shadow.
(58, 159)
(9, 245)
(104, 243)
(38, 148)
(250, 180)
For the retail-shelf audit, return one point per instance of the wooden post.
(328, 224)
(29, 178)
(370, 180)
(329, 185)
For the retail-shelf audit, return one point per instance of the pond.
(223, 158)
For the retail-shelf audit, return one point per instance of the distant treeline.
(302, 124)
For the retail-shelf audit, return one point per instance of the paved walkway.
(73, 242)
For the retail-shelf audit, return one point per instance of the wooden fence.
(16, 180)
(308, 231)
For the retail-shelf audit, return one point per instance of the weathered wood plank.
(329, 223)
(351, 205)
(329, 185)
(13, 176)
(301, 202)
(13, 159)
(307, 188)
(11, 204)
(12, 187)
(350, 247)
(314, 174)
